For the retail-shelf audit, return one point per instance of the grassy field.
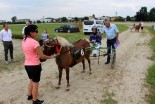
(151, 70)
(72, 37)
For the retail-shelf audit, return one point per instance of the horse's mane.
(63, 42)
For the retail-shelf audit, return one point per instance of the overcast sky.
(36, 9)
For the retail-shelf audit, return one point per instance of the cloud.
(36, 9)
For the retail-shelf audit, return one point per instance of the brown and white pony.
(137, 27)
(68, 55)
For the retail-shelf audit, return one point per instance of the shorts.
(34, 72)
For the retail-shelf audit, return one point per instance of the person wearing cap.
(32, 50)
(6, 37)
(23, 30)
(112, 34)
(95, 38)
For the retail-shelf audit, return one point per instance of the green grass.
(151, 70)
(122, 27)
(72, 37)
(108, 98)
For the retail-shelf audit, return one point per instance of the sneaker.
(38, 102)
(6, 62)
(107, 62)
(13, 60)
(29, 97)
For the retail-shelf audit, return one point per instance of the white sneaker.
(6, 62)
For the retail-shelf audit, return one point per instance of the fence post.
(153, 27)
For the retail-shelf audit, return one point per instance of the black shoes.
(35, 102)
(107, 62)
(38, 102)
(29, 97)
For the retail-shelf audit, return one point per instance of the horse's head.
(51, 46)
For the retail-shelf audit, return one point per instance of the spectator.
(44, 36)
(95, 38)
(111, 32)
(32, 50)
(142, 25)
(6, 37)
(23, 30)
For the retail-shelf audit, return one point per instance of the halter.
(49, 43)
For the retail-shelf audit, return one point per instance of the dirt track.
(125, 84)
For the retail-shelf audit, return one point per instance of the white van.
(88, 24)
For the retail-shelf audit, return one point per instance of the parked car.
(67, 28)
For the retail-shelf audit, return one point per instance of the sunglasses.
(36, 31)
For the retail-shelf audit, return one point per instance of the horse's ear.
(56, 36)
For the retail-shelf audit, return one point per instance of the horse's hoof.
(90, 72)
(58, 87)
(83, 71)
(68, 89)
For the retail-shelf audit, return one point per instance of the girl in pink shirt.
(32, 50)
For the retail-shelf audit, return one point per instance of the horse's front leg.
(60, 76)
(83, 63)
(89, 62)
(67, 78)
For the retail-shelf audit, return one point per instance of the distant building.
(112, 19)
(2, 21)
(22, 20)
(104, 17)
(70, 19)
(47, 20)
(57, 20)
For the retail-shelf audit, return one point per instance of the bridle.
(51, 40)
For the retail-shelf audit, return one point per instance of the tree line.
(143, 15)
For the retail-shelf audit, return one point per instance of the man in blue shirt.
(111, 32)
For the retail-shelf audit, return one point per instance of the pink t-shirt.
(29, 49)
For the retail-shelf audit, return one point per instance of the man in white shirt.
(142, 25)
(111, 32)
(23, 30)
(6, 37)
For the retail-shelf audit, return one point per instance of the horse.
(68, 55)
(137, 27)
(132, 27)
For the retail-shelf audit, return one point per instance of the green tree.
(152, 14)
(76, 19)
(128, 18)
(64, 19)
(119, 18)
(142, 15)
(14, 18)
(85, 18)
